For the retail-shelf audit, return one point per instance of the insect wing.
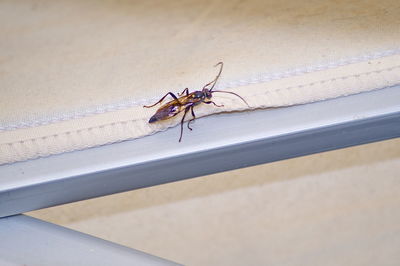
(166, 111)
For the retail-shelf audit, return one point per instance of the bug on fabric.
(187, 101)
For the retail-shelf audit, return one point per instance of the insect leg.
(183, 119)
(183, 92)
(194, 117)
(169, 93)
(214, 104)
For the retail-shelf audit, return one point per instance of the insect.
(187, 101)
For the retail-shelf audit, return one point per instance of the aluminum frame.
(29, 241)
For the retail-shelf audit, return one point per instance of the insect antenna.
(216, 78)
(235, 95)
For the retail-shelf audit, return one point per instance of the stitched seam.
(332, 80)
(260, 78)
(265, 77)
(78, 131)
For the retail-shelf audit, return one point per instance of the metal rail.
(29, 241)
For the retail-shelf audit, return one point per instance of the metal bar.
(29, 241)
(219, 143)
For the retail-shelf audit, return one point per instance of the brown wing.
(170, 109)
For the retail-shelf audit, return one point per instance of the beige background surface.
(333, 208)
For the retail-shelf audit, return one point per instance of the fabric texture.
(77, 74)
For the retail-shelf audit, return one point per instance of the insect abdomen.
(165, 113)
(153, 119)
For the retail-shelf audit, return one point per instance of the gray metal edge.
(218, 143)
(29, 241)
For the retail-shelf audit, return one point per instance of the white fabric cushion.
(76, 74)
